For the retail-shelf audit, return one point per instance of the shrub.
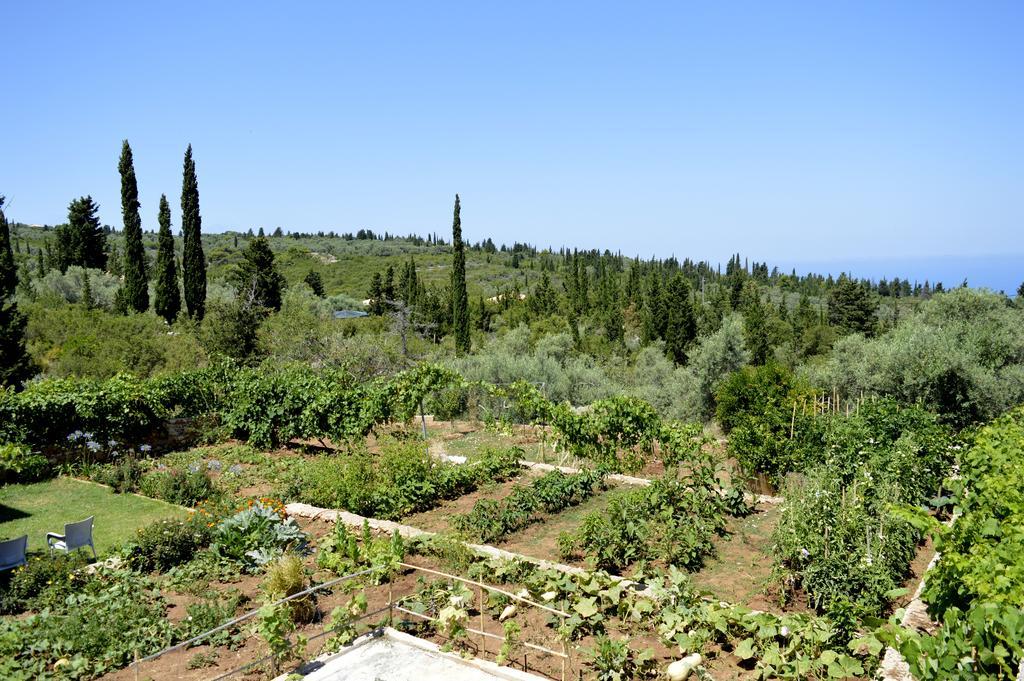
(181, 487)
(960, 355)
(19, 463)
(46, 578)
(165, 544)
(124, 475)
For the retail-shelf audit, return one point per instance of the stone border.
(408, 531)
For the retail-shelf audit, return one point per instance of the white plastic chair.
(13, 552)
(76, 536)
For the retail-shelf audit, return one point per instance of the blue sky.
(792, 133)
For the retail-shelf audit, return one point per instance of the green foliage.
(82, 240)
(134, 293)
(42, 580)
(852, 307)
(838, 537)
(756, 408)
(615, 661)
(274, 625)
(20, 463)
(315, 283)
(716, 357)
(209, 613)
(983, 643)
(460, 299)
(15, 365)
(168, 298)
(960, 355)
(402, 479)
(674, 519)
(74, 341)
(256, 536)
(681, 327)
(981, 554)
(490, 520)
(182, 487)
(258, 282)
(193, 260)
(342, 625)
(342, 553)
(163, 545)
(229, 329)
(97, 628)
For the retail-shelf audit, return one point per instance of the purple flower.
(93, 446)
(145, 448)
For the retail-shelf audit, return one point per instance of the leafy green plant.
(211, 612)
(19, 462)
(342, 553)
(672, 518)
(342, 625)
(615, 661)
(274, 625)
(257, 535)
(510, 644)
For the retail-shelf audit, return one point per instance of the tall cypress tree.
(15, 365)
(681, 329)
(134, 293)
(168, 298)
(193, 263)
(460, 300)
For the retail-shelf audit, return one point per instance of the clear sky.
(793, 133)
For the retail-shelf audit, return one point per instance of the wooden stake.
(483, 638)
(792, 421)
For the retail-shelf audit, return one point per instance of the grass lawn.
(42, 507)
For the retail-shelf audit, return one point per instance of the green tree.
(460, 299)
(81, 241)
(756, 324)
(168, 297)
(681, 329)
(851, 307)
(15, 365)
(193, 262)
(376, 295)
(134, 293)
(258, 281)
(544, 300)
(315, 283)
